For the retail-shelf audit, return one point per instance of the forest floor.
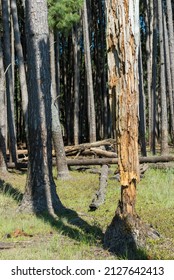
(79, 230)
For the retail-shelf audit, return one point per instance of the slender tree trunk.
(164, 121)
(21, 65)
(142, 107)
(154, 77)
(40, 192)
(168, 75)
(9, 80)
(61, 163)
(58, 67)
(91, 102)
(3, 163)
(149, 51)
(75, 38)
(171, 39)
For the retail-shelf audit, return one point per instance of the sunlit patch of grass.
(78, 234)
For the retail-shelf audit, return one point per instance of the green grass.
(78, 234)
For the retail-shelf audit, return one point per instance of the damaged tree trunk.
(126, 231)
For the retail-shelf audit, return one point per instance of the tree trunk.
(61, 164)
(168, 76)
(21, 65)
(164, 121)
(40, 192)
(91, 104)
(123, 79)
(3, 164)
(149, 52)
(154, 78)
(9, 80)
(75, 39)
(171, 38)
(126, 232)
(142, 107)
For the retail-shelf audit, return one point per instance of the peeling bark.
(126, 231)
(122, 42)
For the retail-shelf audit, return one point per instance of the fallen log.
(81, 147)
(99, 196)
(99, 152)
(101, 161)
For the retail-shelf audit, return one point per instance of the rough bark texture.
(124, 81)
(126, 231)
(40, 193)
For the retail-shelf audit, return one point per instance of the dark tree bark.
(9, 80)
(40, 192)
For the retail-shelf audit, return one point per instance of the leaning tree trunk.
(3, 164)
(40, 193)
(126, 231)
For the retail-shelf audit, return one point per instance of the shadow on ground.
(70, 224)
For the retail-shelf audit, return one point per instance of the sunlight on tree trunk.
(125, 232)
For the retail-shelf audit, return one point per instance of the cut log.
(99, 197)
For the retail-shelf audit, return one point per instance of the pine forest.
(87, 87)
